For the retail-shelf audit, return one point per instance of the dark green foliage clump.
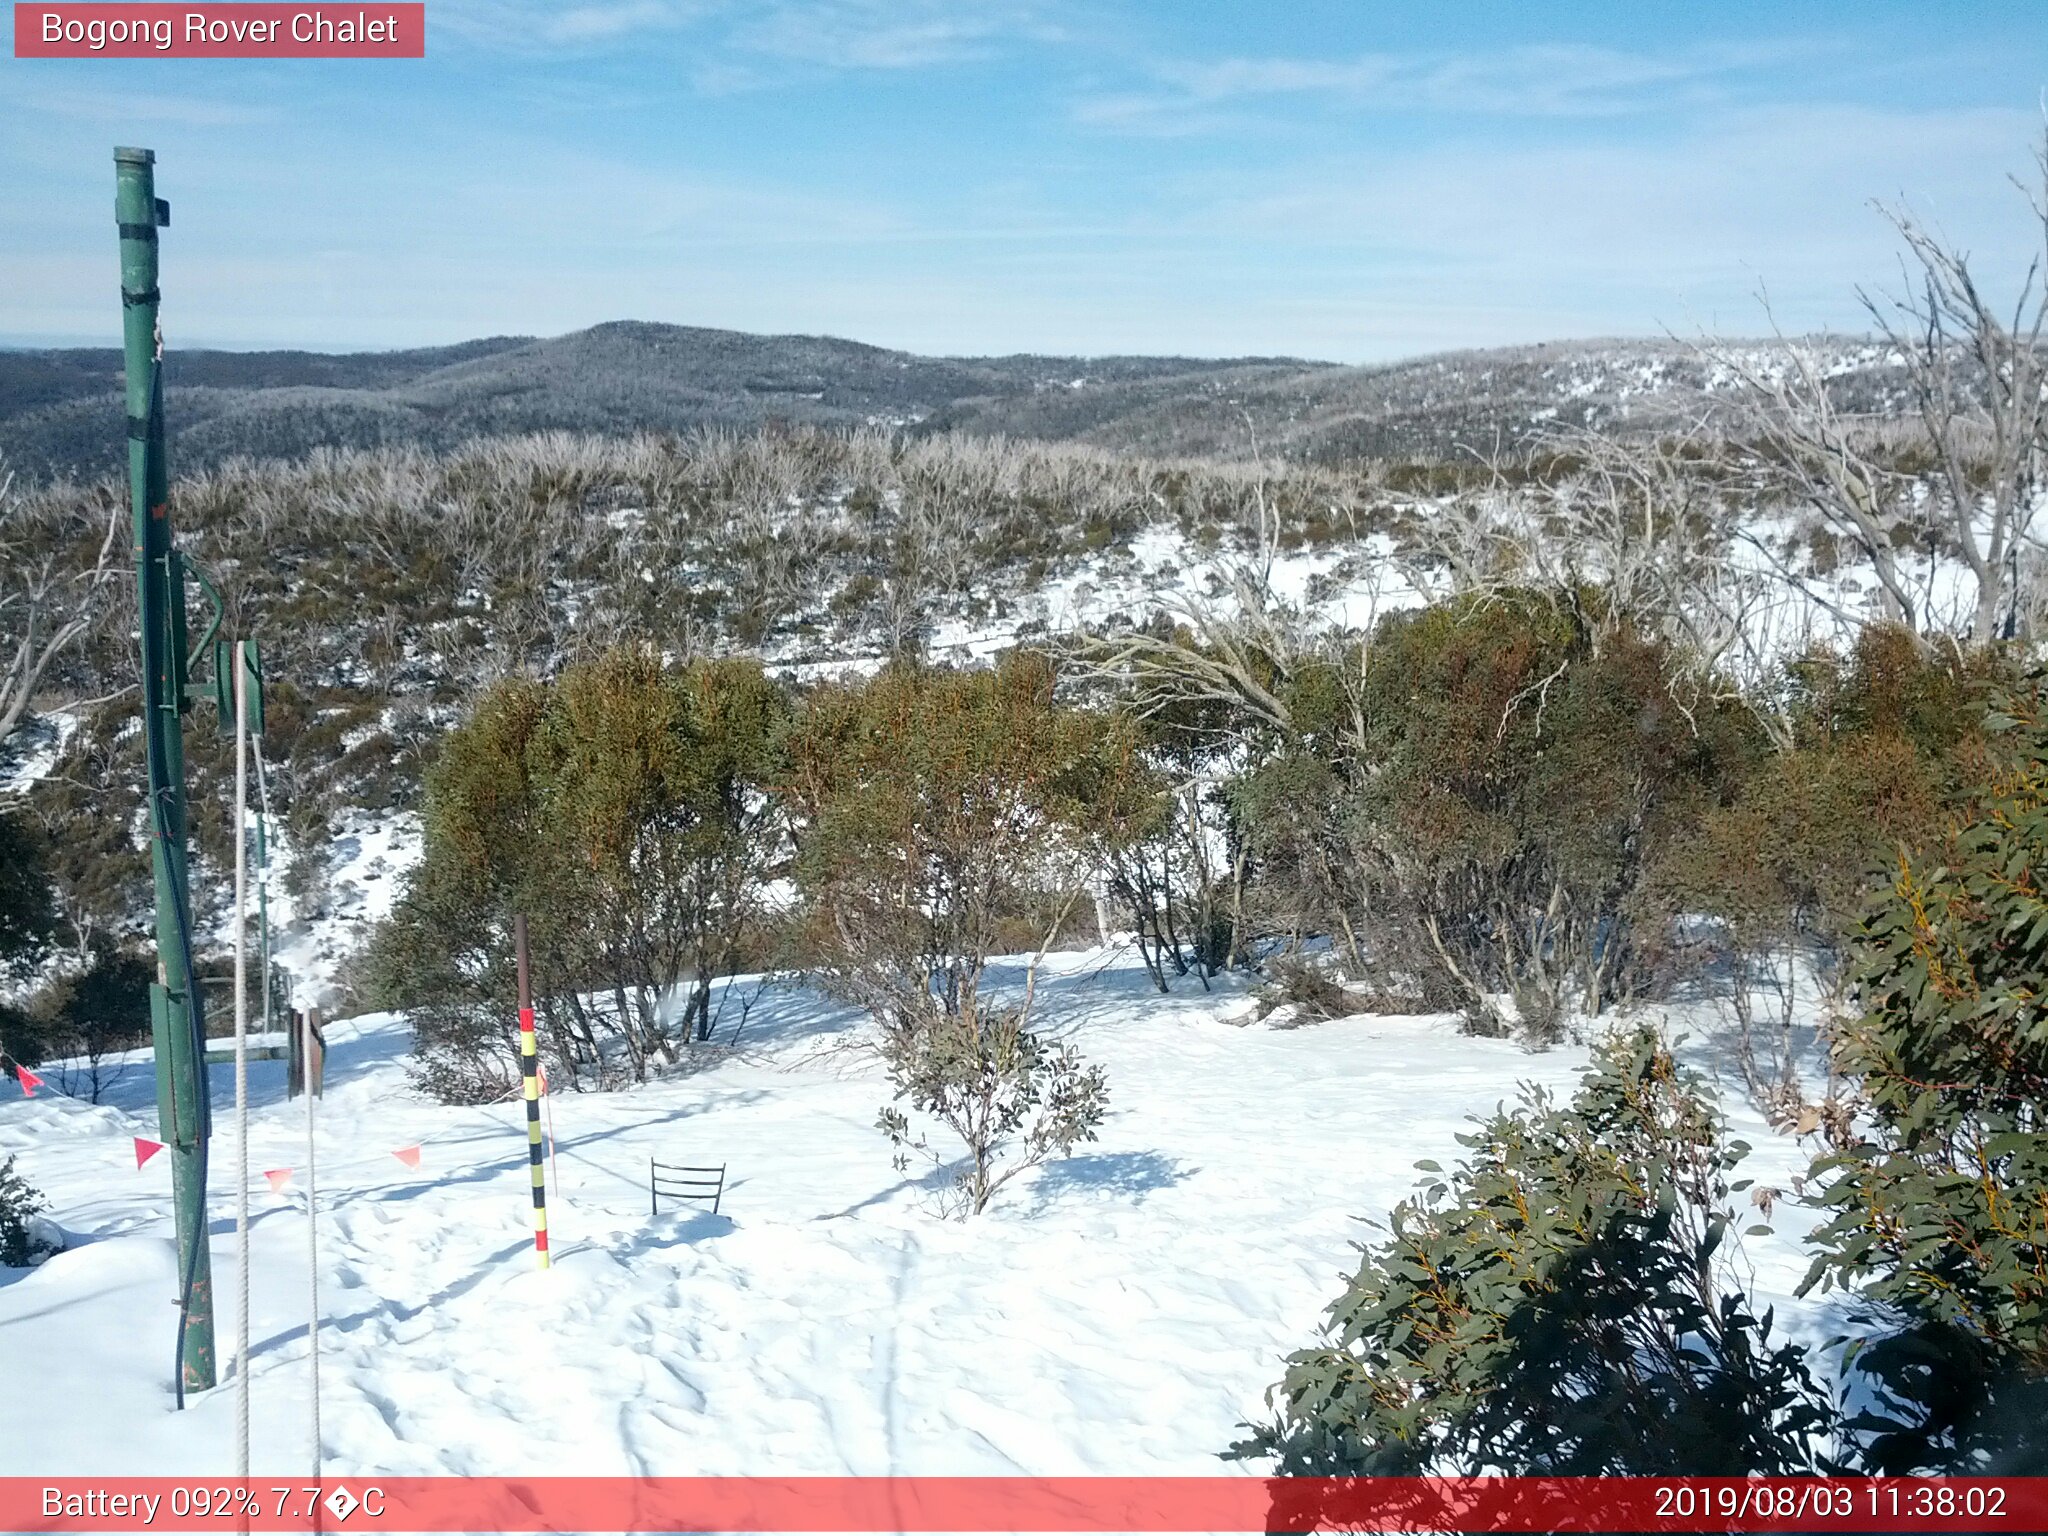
(27, 917)
(1939, 1201)
(623, 809)
(1559, 1303)
(1526, 765)
(99, 1013)
(19, 1204)
(1469, 801)
(27, 920)
(1880, 740)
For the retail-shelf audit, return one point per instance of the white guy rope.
(263, 866)
(312, 1233)
(241, 1064)
(305, 1024)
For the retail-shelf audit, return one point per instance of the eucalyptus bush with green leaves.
(19, 1204)
(1938, 1199)
(1562, 1302)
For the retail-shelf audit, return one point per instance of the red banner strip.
(993, 1504)
(359, 29)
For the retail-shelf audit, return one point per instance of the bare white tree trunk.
(44, 607)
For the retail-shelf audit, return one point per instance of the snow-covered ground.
(366, 860)
(1119, 1312)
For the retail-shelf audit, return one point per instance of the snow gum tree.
(942, 819)
(54, 585)
(1966, 478)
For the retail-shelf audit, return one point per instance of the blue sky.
(1350, 181)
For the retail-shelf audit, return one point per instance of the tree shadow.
(393, 1311)
(1111, 1175)
(934, 1183)
(671, 1229)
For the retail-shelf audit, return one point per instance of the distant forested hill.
(60, 411)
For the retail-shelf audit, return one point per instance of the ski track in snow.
(1120, 1312)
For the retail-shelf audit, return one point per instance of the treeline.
(60, 411)
(1501, 807)
(1489, 806)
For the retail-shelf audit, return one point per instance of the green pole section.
(175, 1011)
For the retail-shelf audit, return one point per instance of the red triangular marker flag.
(28, 1080)
(410, 1156)
(145, 1149)
(279, 1177)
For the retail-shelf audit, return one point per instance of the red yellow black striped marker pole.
(529, 1062)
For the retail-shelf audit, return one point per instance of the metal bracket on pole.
(224, 672)
(224, 652)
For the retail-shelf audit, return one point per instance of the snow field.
(1118, 1313)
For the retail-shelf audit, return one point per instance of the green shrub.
(623, 809)
(99, 1013)
(27, 917)
(1938, 1197)
(932, 810)
(19, 1205)
(1888, 685)
(1524, 767)
(1561, 1303)
(1783, 870)
(1473, 796)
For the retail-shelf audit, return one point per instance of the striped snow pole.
(529, 1064)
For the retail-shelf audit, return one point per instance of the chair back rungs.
(676, 1181)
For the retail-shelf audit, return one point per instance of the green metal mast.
(183, 1110)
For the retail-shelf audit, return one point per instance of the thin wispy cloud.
(731, 45)
(1536, 80)
(585, 23)
(905, 34)
(85, 103)
(544, 28)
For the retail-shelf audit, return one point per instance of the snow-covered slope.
(1120, 1312)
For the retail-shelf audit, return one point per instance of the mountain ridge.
(61, 409)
